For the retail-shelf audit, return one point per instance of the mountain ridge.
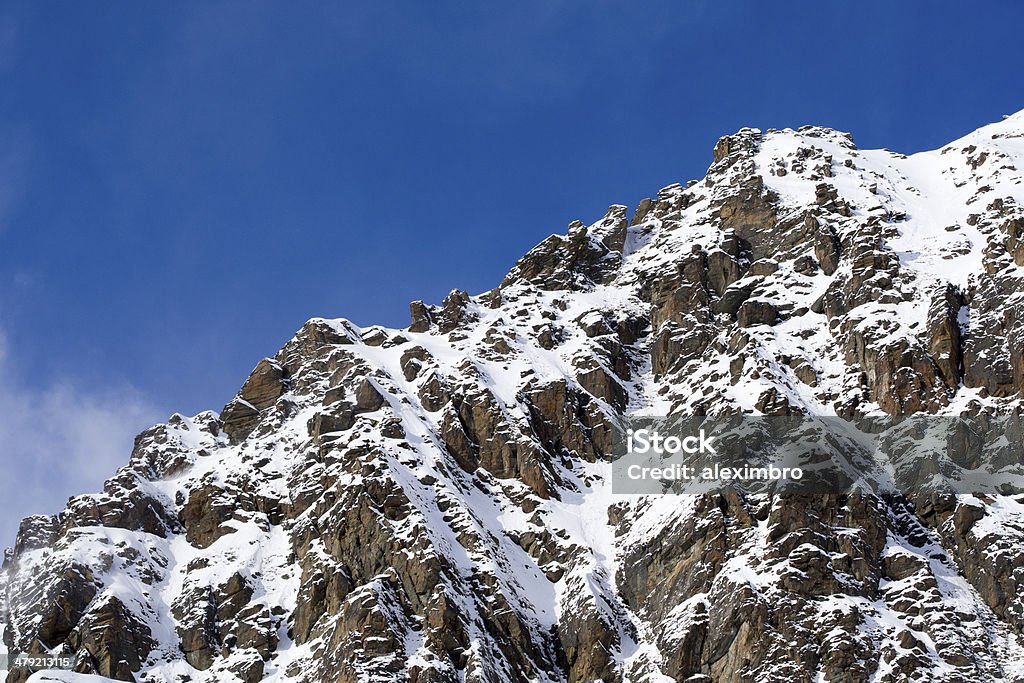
(432, 504)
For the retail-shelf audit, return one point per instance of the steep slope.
(433, 504)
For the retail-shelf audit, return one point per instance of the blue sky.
(183, 184)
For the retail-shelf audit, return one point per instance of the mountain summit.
(433, 504)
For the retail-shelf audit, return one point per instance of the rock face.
(433, 504)
(261, 391)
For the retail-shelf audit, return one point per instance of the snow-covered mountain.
(433, 504)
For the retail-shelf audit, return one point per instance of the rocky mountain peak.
(432, 504)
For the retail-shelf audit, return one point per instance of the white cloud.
(60, 440)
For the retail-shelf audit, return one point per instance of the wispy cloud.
(60, 440)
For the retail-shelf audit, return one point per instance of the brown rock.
(422, 317)
(265, 385)
(116, 640)
(757, 312)
(368, 398)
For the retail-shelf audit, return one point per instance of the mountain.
(433, 504)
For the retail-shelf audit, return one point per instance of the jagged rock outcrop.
(264, 386)
(434, 505)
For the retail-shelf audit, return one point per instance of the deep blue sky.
(183, 184)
